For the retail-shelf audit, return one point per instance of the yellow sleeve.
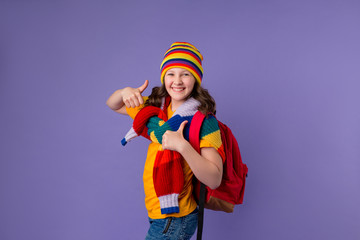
(204, 143)
(133, 111)
(220, 149)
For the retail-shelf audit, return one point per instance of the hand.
(132, 96)
(174, 140)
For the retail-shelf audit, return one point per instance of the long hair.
(207, 102)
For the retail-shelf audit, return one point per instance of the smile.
(177, 89)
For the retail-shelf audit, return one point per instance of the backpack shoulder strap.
(201, 211)
(194, 139)
(194, 131)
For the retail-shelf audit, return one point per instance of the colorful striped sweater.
(151, 122)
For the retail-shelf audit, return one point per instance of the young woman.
(171, 161)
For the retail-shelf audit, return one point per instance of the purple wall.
(285, 75)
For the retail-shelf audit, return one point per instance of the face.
(179, 84)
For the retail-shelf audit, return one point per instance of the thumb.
(182, 126)
(144, 86)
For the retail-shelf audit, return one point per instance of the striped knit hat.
(183, 55)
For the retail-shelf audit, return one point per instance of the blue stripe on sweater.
(169, 210)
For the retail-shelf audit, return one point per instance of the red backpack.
(232, 187)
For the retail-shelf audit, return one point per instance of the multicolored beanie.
(183, 55)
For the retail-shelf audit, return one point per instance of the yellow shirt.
(187, 203)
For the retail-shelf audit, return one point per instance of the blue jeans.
(173, 228)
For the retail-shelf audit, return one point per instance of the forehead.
(179, 70)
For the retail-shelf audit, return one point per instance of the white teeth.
(178, 89)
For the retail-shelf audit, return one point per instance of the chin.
(179, 98)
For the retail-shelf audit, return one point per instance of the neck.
(175, 104)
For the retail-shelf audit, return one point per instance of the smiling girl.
(165, 117)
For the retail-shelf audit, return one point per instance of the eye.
(170, 74)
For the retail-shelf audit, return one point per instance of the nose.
(178, 80)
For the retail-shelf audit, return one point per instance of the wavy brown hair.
(207, 102)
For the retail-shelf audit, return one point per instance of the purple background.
(285, 75)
